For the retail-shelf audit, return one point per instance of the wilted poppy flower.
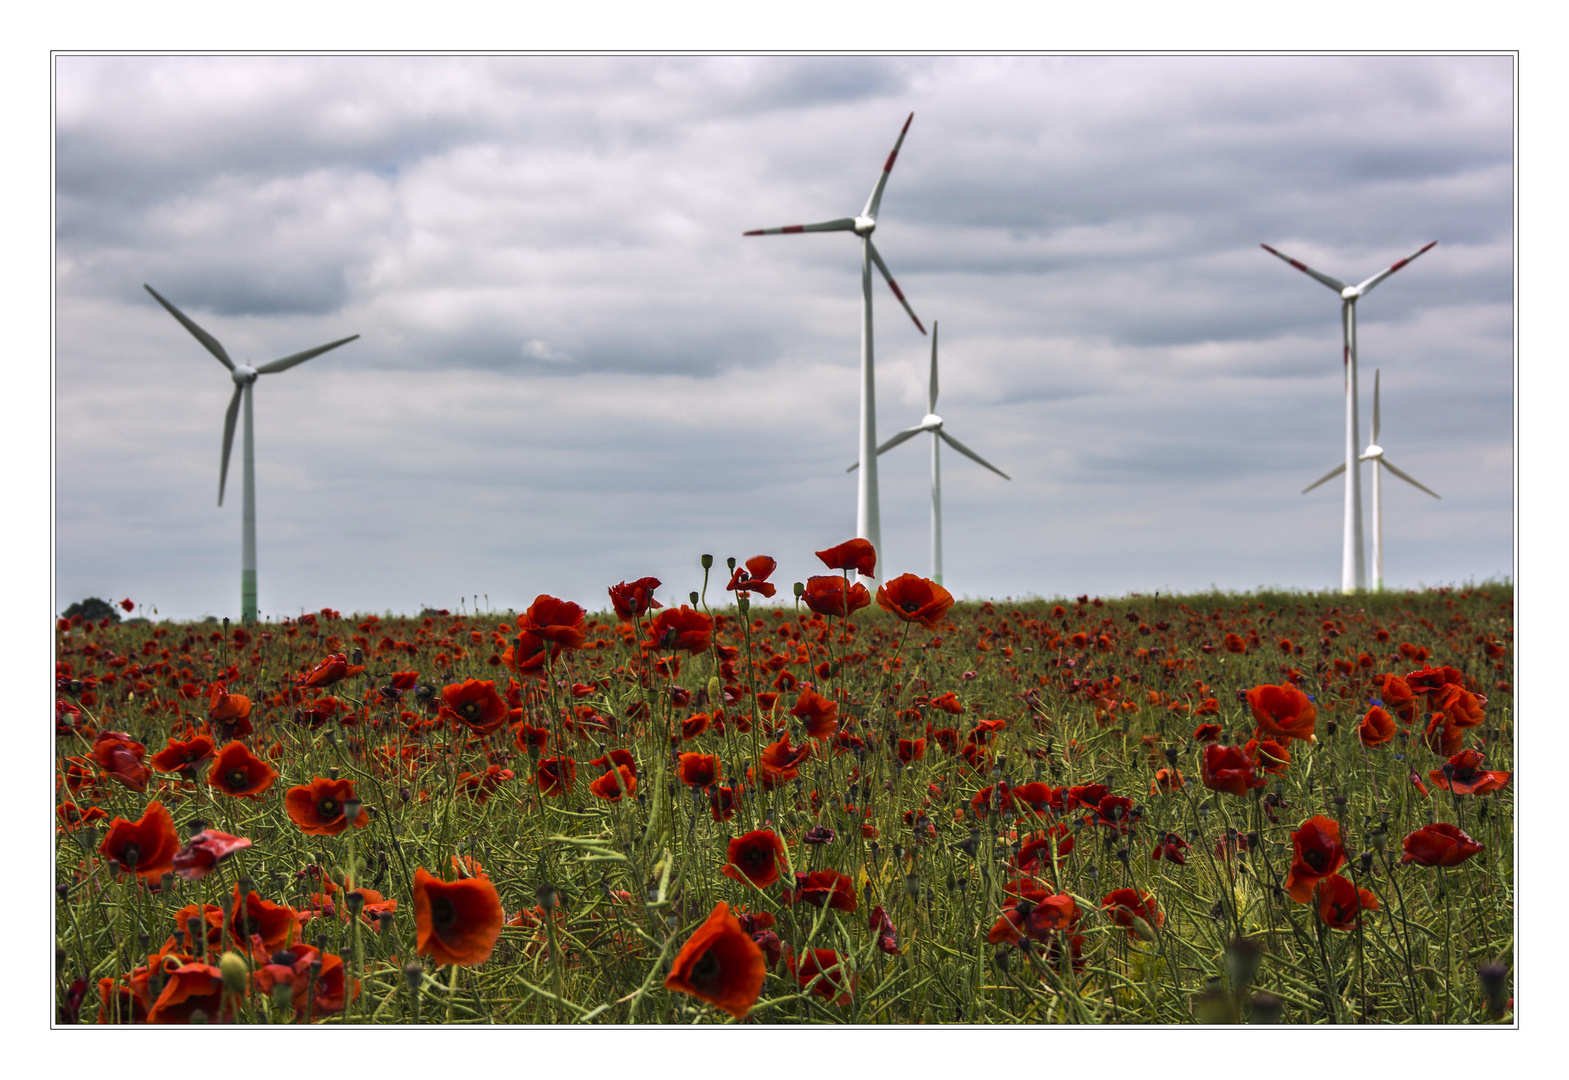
(818, 714)
(1440, 844)
(1270, 755)
(1283, 711)
(145, 846)
(120, 757)
(1340, 903)
(1229, 769)
(1463, 775)
(856, 554)
(184, 758)
(457, 922)
(915, 599)
(1376, 728)
(1207, 733)
(559, 622)
(820, 969)
(699, 770)
(829, 595)
(610, 788)
(237, 771)
(634, 598)
(680, 630)
(317, 807)
(753, 577)
(1171, 847)
(720, 964)
(1316, 853)
(755, 857)
(475, 705)
(824, 888)
(204, 851)
(334, 668)
(1122, 906)
(555, 775)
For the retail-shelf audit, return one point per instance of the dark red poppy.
(1171, 847)
(1463, 708)
(694, 725)
(613, 785)
(73, 817)
(856, 554)
(475, 705)
(404, 680)
(753, 576)
(555, 775)
(1271, 757)
(528, 654)
(317, 807)
(829, 595)
(912, 598)
(720, 964)
(1122, 906)
(1035, 853)
(329, 992)
(146, 846)
(1439, 844)
(823, 888)
(1316, 853)
(1235, 644)
(614, 758)
(947, 738)
(260, 924)
(1463, 775)
(1038, 796)
(982, 733)
(1376, 728)
(184, 758)
(190, 987)
(1398, 695)
(1441, 736)
(1283, 711)
(887, 934)
(722, 802)
(531, 740)
(781, 757)
(680, 630)
(456, 922)
(699, 770)
(1229, 769)
(1340, 903)
(229, 713)
(236, 771)
(1166, 781)
(204, 851)
(334, 668)
(1117, 812)
(820, 969)
(755, 857)
(559, 622)
(911, 750)
(120, 757)
(1429, 679)
(1208, 733)
(819, 715)
(981, 802)
(1085, 795)
(634, 598)
(1012, 927)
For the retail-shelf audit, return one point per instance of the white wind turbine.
(868, 524)
(933, 423)
(244, 376)
(1353, 569)
(1375, 454)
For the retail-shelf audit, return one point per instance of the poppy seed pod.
(1243, 956)
(1495, 982)
(1265, 1008)
(695, 598)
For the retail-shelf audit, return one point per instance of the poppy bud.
(1091, 872)
(912, 886)
(1212, 1007)
(800, 589)
(1264, 1008)
(1379, 838)
(1122, 856)
(62, 890)
(1145, 931)
(1495, 981)
(282, 995)
(193, 928)
(730, 562)
(708, 562)
(1331, 727)
(59, 961)
(355, 902)
(546, 895)
(694, 597)
(332, 773)
(235, 974)
(196, 825)
(198, 1017)
(1242, 960)
(1001, 957)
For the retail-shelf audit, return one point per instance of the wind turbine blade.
(931, 393)
(1375, 406)
(1336, 471)
(1306, 269)
(843, 224)
(1367, 285)
(907, 433)
(971, 454)
(876, 198)
(228, 437)
(201, 335)
(892, 284)
(284, 364)
(1410, 481)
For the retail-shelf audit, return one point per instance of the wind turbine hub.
(1350, 292)
(243, 374)
(864, 225)
(931, 421)
(1373, 450)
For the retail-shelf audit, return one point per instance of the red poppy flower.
(982, 733)
(331, 670)
(1166, 781)
(1085, 795)
(1341, 903)
(694, 725)
(912, 598)
(634, 598)
(120, 757)
(1440, 844)
(948, 702)
(781, 757)
(1235, 644)
(680, 629)
(818, 714)
(856, 554)
(403, 680)
(226, 708)
(720, 964)
(1468, 777)
(1229, 769)
(1038, 796)
(145, 846)
(329, 993)
(236, 771)
(829, 595)
(753, 577)
(1316, 853)
(475, 705)
(1035, 853)
(257, 922)
(1270, 756)
(722, 802)
(1463, 708)
(820, 969)
(555, 775)
(1171, 847)
(1283, 711)
(73, 817)
(1431, 678)
(755, 857)
(457, 922)
(559, 622)
(528, 654)
(911, 750)
(1376, 728)
(699, 770)
(613, 758)
(530, 739)
(1122, 906)
(204, 851)
(190, 987)
(184, 758)
(947, 738)
(1208, 733)
(981, 802)
(1117, 812)
(317, 807)
(823, 888)
(609, 788)
(1441, 736)
(1398, 695)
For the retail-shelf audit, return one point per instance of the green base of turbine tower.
(247, 596)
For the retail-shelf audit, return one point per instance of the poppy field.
(850, 801)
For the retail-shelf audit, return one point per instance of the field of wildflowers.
(851, 805)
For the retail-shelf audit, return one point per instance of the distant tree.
(93, 610)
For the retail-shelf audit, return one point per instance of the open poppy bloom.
(238, 772)
(1085, 795)
(610, 788)
(755, 857)
(1036, 852)
(1283, 711)
(824, 888)
(1441, 736)
(457, 922)
(1166, 781)
(559, 622)
(1272, 757)
(1398, 695)
(260, 924)
(333, 669)
(189, 987)
(1229, 769)
(1463, 774)
(821, 970)
(120, 757)
(185, 758)
(1116, 812)
(1122, 906)
(317, 807)
(1340, 903)
(529, 739)
(829, 595)
(145, 846)
(1208, 733)
(911, 750)
(204, 851)
(722, 801)
(753, 577)
(694, 725)
(1316, 853)
(230, 712)
(1440, 844)
(1038, 796)
(699, 770)
(331, 991)
(1171, 847)
(948, 702)
(1463, 708)
(555, 775)
(856, 554)
(819, 715)
(614, 758)
(680, 630)
(528, 654)
(634, 598)
(1376, 728)
(475, 705)
(720, 964)
(912, 598)
(887, 934)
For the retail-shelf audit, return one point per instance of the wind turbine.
(933, 423)
(1375, 454)
(244, 376)
(1353, 569)
(868, 523)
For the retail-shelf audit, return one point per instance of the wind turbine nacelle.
(1350, 292)
(864, 225)
(931, 421)
(243, 374)
(1373, 451)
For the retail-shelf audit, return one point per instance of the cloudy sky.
(574, 370)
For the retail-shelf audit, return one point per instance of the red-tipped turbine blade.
(1306, 269)
(876, 199)
(843, 224)
(1367, 285)
(892, 284)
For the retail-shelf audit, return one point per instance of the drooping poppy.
(1122, 906)
(722, 801)
(528, 654)
(333, 669)
(634, 598)
(1229, 769)
(720, 964)
(818, 714)
(755, 857)
(204, 851)
(188, 988)
(120, 757)
(1441, 736)
(824, 888)
(821, 970)
(185, 758)
(1171, 847)
(229, 713)
(856, 554)
(1376, 728)
(146, 846)
(699, 770)
(1463, 774)
(1463, 708)
(1316, 852)
(474, 704)
(1283, 711)
(609, 788)
(457, 922)
(829, 595)
(1340, 903)
(911, 750)
(317, 807)
(555, 775)
(1439, 844)
(238, 772)
(912, 598)
(559, 622)
(753, 577)
(680, 630)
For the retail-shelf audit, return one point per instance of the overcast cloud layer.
(573, 369)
